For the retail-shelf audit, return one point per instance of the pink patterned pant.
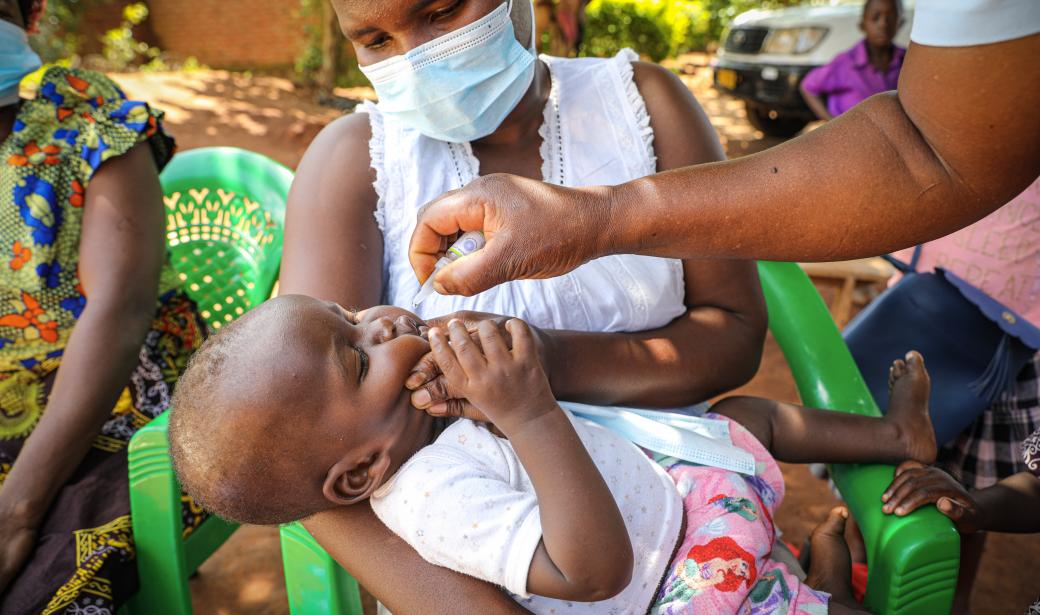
(723, 564)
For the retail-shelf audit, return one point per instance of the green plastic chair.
(225, 211)
(913, 560)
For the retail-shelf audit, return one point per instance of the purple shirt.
(850, 79)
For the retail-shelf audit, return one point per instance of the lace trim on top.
(623, 60)
(464, 161)
(551, 132)
(376, 155)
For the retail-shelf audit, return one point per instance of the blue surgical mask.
(17, 59)
(460, 86)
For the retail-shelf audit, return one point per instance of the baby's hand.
(508, 386)
(916, 485)
(430, 392)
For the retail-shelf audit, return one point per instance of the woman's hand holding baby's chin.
(506, 386)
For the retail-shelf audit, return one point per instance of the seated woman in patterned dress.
(81, 215)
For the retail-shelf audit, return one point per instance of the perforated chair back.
(225, 212)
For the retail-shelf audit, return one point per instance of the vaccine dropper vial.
(468, 243)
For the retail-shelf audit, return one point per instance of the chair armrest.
(314, 582)
(157, 524)
(165, 558)
(913, 560)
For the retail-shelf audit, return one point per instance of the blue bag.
(973, 345)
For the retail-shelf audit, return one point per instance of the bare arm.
(1012, 505)
(956, 143)
(890, 173)
(815, 103)
(395, 574)
(334, 250)
(121, 256)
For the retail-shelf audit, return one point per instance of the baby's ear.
(351, 481)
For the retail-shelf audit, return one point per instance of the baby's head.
(881, 21)
(297, 407)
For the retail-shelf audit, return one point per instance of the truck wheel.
(772, 122)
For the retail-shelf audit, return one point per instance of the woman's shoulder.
(86, 119)
(349, 134)
(654, 79)
(72, 90)
(346, 148)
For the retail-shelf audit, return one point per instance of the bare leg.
(831, 567)
(801, 435)
(972, 546)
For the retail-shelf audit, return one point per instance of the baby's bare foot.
(909, 388)
(830, 566)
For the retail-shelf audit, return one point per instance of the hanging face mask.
(458, 87)
(17, 59)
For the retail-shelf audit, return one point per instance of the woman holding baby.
(630, 330)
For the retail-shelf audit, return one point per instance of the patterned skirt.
(990, 449)
(84, 557)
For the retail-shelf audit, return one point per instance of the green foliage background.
(59, 37)
(656, 29)
(662, 28)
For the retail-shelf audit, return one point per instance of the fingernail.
(415, 380)
(421, 399)
(439, 288)
(900, 511)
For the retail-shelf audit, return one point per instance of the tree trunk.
(330, 45)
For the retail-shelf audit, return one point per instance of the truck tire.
(772, 122)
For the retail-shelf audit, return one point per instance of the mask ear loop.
(533, 47)
(534, 31)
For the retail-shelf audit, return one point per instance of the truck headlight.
(788, 41)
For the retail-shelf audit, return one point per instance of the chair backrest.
(225, 214)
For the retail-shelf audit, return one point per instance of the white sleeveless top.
(596, 131)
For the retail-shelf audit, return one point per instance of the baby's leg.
(801, 435)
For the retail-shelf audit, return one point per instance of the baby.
(300, 406)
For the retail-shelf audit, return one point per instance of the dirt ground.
(270, 116)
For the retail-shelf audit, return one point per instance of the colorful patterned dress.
(83, 561)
